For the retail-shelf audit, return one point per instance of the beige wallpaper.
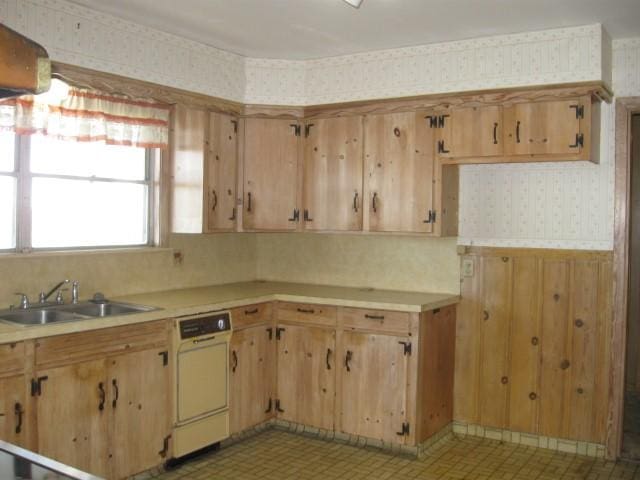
(378, 261)
(206, 260)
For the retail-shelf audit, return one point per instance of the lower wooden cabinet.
(374, 385)
(13, 410)
(306, 375)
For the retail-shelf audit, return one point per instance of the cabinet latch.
(36, 385)
(405, 430)
(165, 357)
(407, 347)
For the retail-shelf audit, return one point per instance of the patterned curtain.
(82, 115)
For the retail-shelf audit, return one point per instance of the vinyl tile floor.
(276, 454)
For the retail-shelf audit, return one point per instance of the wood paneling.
(556, 333)
(12, 357)
(13, 410)
(333, 169)
(270, 159)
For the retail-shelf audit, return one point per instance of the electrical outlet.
(467, 267)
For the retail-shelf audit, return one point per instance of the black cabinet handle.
(215, 200)
(355, 202)
(518, 131)
(495, 133)
(347, 360)
(306, 310)
(103, 396)
(375, 207)
(249, 202)
(251, 312)
(327, 359)
(116, 391)
(18, 411)
(233, 214)
(374, 317)
(235, 361)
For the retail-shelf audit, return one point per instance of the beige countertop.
(218, 297)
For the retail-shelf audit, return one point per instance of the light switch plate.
(467, 267)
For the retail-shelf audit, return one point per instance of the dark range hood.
(24, 65)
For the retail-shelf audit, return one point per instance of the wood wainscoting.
(533, 341)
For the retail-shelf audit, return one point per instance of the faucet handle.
(24, 300)
(59, 297)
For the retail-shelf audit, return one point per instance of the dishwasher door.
(202, 378)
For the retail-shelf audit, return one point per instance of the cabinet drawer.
(308, 313)
(12, 356)
(66, 349)
(375, 320)
(248, 315)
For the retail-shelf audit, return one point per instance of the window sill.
(88, 251)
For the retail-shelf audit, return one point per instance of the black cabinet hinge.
(165, 447)
(441, 148)
(279, 331)
(165, 357)
(296, 129)
(405, 430)
(441, 120)
(306, 216)
(296, 216)
(235, 126)
(433, 121)
(307, 129)
(407, 347)
(278, 409)
(269, 406)
(270, 332)
(579, 110)
(431, 217)
(579, 141)
(36, 385)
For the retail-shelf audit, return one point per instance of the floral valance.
(76, 114)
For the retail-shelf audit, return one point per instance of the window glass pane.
(7, 151)
(7, 212)
(86, 159)
(82, 213)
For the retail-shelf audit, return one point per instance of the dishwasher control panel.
(205, 325)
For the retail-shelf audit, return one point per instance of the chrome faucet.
(45, 296)
(75, 291)
(24, 301)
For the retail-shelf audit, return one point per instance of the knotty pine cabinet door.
(333, 169)
(13, 413)
(374, 386)
(470, 132)
(271, 174)
(251, 378)
(220, 172)
(72, 413)
(399, 165)
(138, 404)
(306, 375)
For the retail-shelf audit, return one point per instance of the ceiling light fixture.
(354, 3)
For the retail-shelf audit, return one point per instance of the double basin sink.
(65, 313)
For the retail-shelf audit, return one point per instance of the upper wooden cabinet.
(204, 160)
(469, 132)
(332, 187)
(399, 165)
(271, 174)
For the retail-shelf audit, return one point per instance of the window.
(65, 194)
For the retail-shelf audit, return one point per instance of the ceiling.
(306, 29)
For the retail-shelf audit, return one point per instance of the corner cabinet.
(204, 162)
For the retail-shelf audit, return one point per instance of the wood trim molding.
(528, 252)
(625, 107)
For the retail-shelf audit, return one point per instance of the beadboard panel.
(80, 36)
(626, 72)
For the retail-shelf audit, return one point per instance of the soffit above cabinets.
(311, 29)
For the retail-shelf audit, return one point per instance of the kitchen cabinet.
(13, 415)
(252, 365)
(204, 162)
(399, 168)
(306, 375)
(373, 364)
(469, 132)
(333, 174)
(271, 174)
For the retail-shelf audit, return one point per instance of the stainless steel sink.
(73, 312)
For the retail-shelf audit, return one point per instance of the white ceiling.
(305, 29)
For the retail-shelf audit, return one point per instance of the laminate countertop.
(188, 301)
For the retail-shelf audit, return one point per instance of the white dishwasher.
(201, 417)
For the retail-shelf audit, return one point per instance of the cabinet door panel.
(71, 427)
(306, 375)
(473, 132)
(496, 299)
(374, 385)
(221, 172)
(542, 128)
(270, 174)
(553, 374)
(251, 378)
(525, 346)
(139, 403)
(399, 155)
(13, 415)
(333, 174)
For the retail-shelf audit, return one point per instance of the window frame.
(23, 215)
